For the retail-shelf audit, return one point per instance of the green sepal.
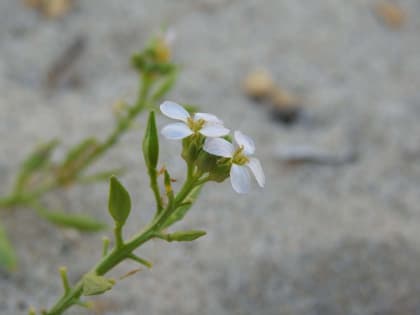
(221, 172)
(94, 284)
(206, 162)
(184, 236)
(182, 210)
(8, 258)
(151, 143)
(191, 147)
(119, 204)
(138, 61)
(217, 167)
(191, 108)
(79, 222)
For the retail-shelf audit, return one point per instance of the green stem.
(124, 251)
(121, 128)
(123, 124)
(118, 235)
(155, 188)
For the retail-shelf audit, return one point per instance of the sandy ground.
(319, 239)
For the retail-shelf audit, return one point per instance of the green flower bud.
(151, 143)
(184, 236)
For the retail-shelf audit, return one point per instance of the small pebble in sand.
(300, 154)
(283, 106)
(391, 14)
(258, 84)
(51, 8)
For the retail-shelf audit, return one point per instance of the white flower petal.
(176, 131)
(214, 130)
(245, 141)
(219, 147)
(208, 117)
(240, 179)
(174, 111)
(256, 168)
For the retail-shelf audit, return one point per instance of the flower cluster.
(208, 132)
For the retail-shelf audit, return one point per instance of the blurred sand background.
(319, 239)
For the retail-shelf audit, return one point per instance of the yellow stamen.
(195, 125)
(239, 157)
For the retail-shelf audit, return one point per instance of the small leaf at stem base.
(79, 222)
(94, 284)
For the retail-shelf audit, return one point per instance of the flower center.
(239, 156)
(195, 125)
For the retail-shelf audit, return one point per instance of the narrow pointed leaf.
(185, 236)
(7, 253)
(36, 161)
(100, 176)
(119, 204)
(81, 150)
(79, 222)
(39, 157)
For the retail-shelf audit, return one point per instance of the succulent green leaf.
(151, 143)
(185, 236)
(94, 284)
(79, 222)
(7, 254)
(119, 204)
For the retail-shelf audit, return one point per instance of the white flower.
(206, 124)
(241, 160)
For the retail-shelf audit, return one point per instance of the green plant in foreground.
(208, 158)
(39, 174)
